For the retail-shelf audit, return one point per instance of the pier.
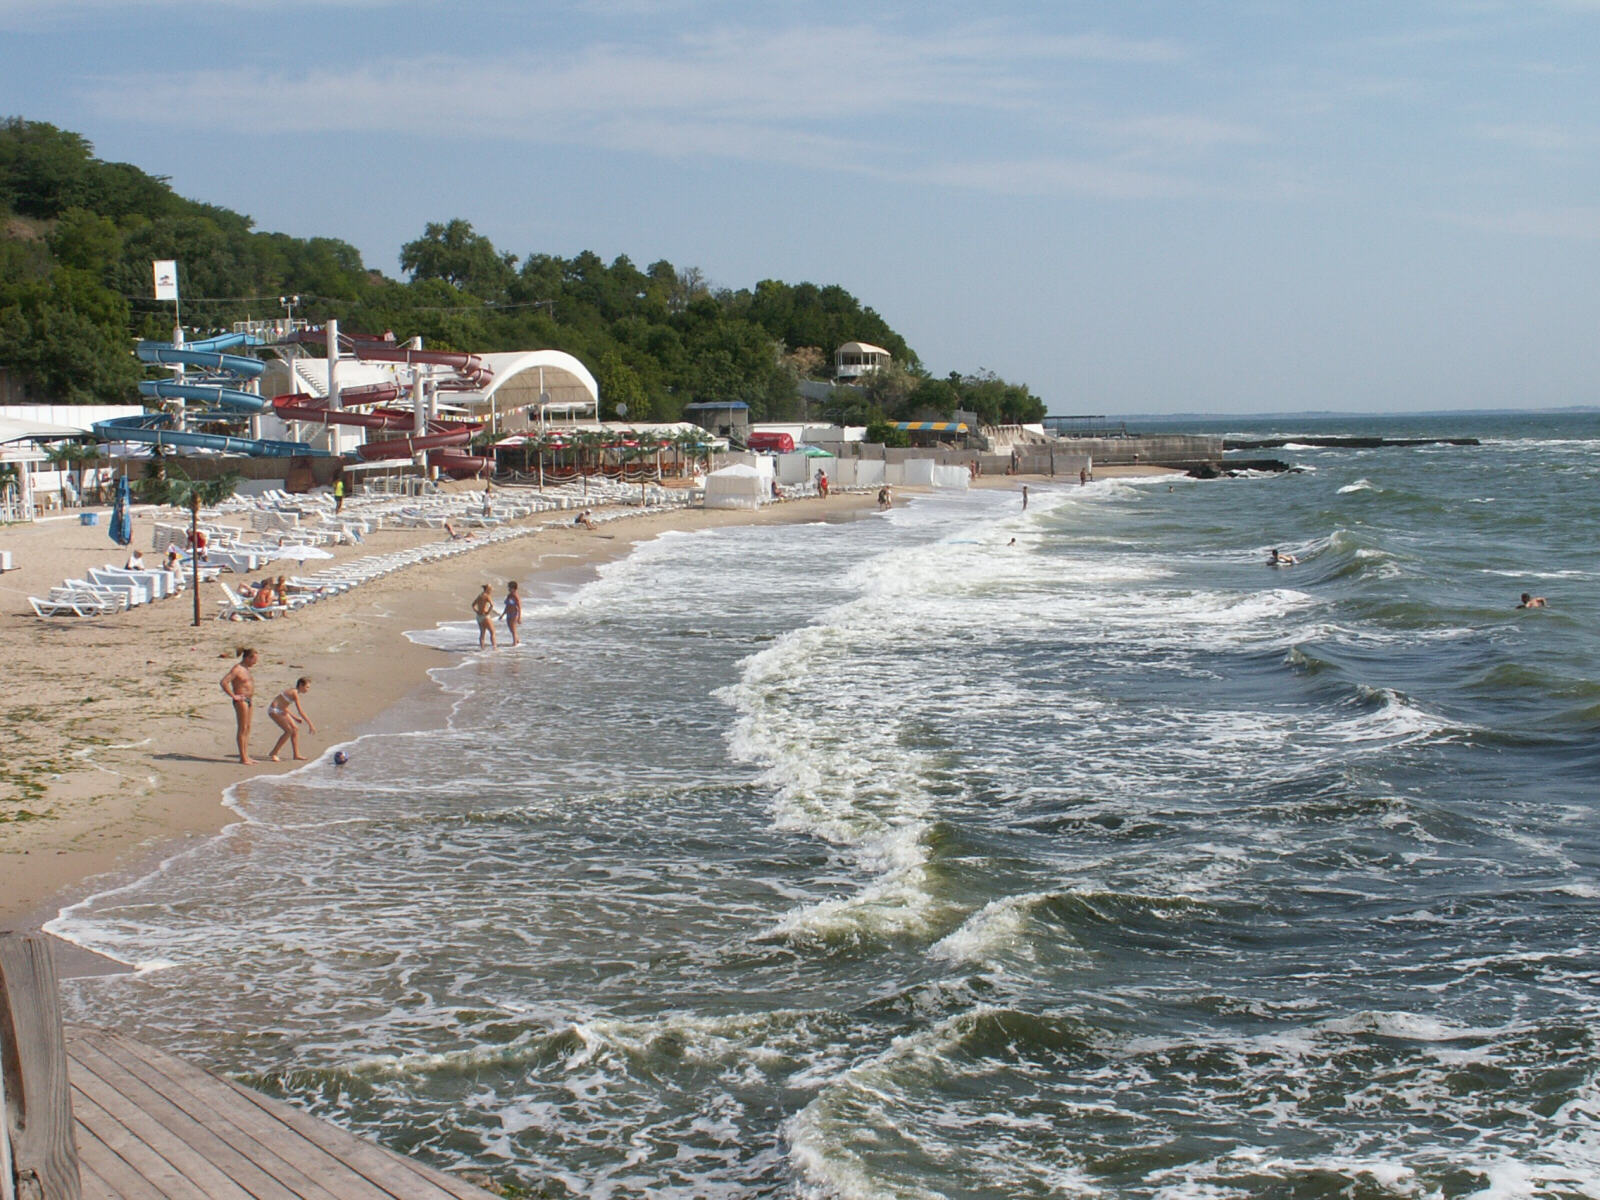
(97, 1115)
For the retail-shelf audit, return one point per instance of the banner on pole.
(166, 274)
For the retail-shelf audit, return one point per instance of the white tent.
(738, 486)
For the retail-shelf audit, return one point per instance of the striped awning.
(932, 426)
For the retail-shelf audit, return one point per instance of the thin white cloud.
(1542, 138)
(1574, 223)
(39, 15)
(1052, 177)
(786, 96)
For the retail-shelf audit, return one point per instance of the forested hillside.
(77, 236)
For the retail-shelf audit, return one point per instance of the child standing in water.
(288, 721)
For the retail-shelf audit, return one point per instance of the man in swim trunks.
(240, 687)
(483, 609)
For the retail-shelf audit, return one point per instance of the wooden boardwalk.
(151, 1126)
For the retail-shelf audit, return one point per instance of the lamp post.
(289, 303)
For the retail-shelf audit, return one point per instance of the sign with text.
(166, 275)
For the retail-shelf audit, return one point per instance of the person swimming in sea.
(1531, 601)
(1275, 559)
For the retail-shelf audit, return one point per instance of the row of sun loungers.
(308, 519)
(340, 577)
(107, 589)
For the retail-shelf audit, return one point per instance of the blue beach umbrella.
(121, 516)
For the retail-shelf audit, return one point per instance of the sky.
(1148, 206)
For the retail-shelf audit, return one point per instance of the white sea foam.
(1360, 485)
(999, 927)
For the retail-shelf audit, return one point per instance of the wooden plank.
(400, 1176)
(349, 1166)
(129, 1164)
(99, 1164)
(309, 1172)
(95, 1188)
(200, 1176)
(38, 1108)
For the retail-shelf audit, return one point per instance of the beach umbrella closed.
(122, 514)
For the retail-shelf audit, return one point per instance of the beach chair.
(132, 593)
(234, 607)
(64, 602)
(155, 582)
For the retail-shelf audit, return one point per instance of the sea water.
(963, 851)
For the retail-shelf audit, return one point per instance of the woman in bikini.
(512, 611)
(483, 609)
(289, 722)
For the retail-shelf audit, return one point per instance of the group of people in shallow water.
(484, 611)
(286, 709)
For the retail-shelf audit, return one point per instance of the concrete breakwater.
(1185, 451)
(1349, 443)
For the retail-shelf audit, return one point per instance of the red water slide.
(472, 369)
(301, 406)
(459, 465)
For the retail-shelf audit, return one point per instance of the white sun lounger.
(64, 602)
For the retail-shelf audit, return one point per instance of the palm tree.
(167, 484)
(69, 454)
(10, 482)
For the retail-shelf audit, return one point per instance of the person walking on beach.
(288, 721)
(512, 611)
(338, 495)
(240, 687)
(483, 609)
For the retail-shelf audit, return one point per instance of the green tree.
(464, 259)
(85, 240)
(887, 433)
(67, 336)
(621, 393)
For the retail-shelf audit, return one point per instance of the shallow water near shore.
(890, 858)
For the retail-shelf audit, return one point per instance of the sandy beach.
(122, 742)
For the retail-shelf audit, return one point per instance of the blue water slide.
(204, 393)
(156, 428)
(199, 354)
(161, 429)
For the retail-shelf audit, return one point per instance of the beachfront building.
(854, 359)
(725, 418)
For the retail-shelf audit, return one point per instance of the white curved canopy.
(521, 377)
